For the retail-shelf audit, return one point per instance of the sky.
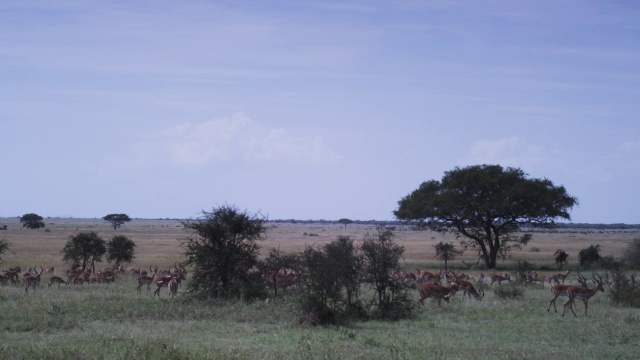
(312, 109)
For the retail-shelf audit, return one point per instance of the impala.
(166, 281)
(437, 292)
(582, 293)
(561, 290)
(32, 280)
(144, 280)
(499, 278)
(56, 279)
(49, 270)
(562, 276)
(468, 289)
(173, 287)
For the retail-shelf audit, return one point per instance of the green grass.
(112, 322)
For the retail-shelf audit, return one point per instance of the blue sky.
(312, 109)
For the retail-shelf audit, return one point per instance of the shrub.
(534, 249)
(632, 254)
(509, 291)
(625, 294)
(589, 256)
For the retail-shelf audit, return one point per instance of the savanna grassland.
(111, 321)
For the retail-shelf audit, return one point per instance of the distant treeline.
(585, 226)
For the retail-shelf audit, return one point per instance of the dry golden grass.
(158, 241)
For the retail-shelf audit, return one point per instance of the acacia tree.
(4, 246)
(116, 220)
(485, 207)
(32, 221)
(345, 221)
(120, 249)
(446, 252)
(83, 250)
(561, 257)
(223, 248)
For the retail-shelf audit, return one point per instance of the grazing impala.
(582, 293)
(499, 278)
(561, 277)
(559, 290)
(437, 292)
(56, 279)
(468, 289)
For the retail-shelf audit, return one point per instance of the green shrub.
(509, 291)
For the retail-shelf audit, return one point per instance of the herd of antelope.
(438, 286)
(79, 276)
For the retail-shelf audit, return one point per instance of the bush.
(632, 254)
(625, 294)
(589, 256)
(224, 251)
(509, 291)
(534, 249)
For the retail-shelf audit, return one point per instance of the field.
(110, 321)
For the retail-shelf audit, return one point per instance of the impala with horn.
(582, 293)
(32, 280)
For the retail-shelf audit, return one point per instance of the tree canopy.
(120, 249)
(223, 248)
(84, 249)
(485, 206)
(116, 220)
(32, 221)
(4, 246)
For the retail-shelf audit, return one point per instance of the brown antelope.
(437, 292)
(166, 280)
(173, 287)
(32, 280)
(56, 279)
(469, 290)
(144, 280)
(559, 290)
(499, 278)
(49, 270)
(582, 293)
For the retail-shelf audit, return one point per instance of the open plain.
(111, 321)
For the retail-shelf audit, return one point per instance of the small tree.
(117, 220)
(381, 259)
(276, 261)
(345, 222)
(32, 221)
(4, 247)
(83, 250)
(120, 249)
(224, 250)
(446, 252)
(631, 255)
(589, 255)
(561, 257)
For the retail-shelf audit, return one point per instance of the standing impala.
(559, 290)
(32, 280)
(438, 292)
(582, 293)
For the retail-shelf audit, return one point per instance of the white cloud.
(513, 151)
(233, 138)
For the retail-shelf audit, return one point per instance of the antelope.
(582, 293)
(56, 279)
(500, 278)
(437, 292)
(49, 270)
(561, 290)
(144, 280)
(173, 287)
(561, 277)
(469, 290)
(166, 281)
(32, 280)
